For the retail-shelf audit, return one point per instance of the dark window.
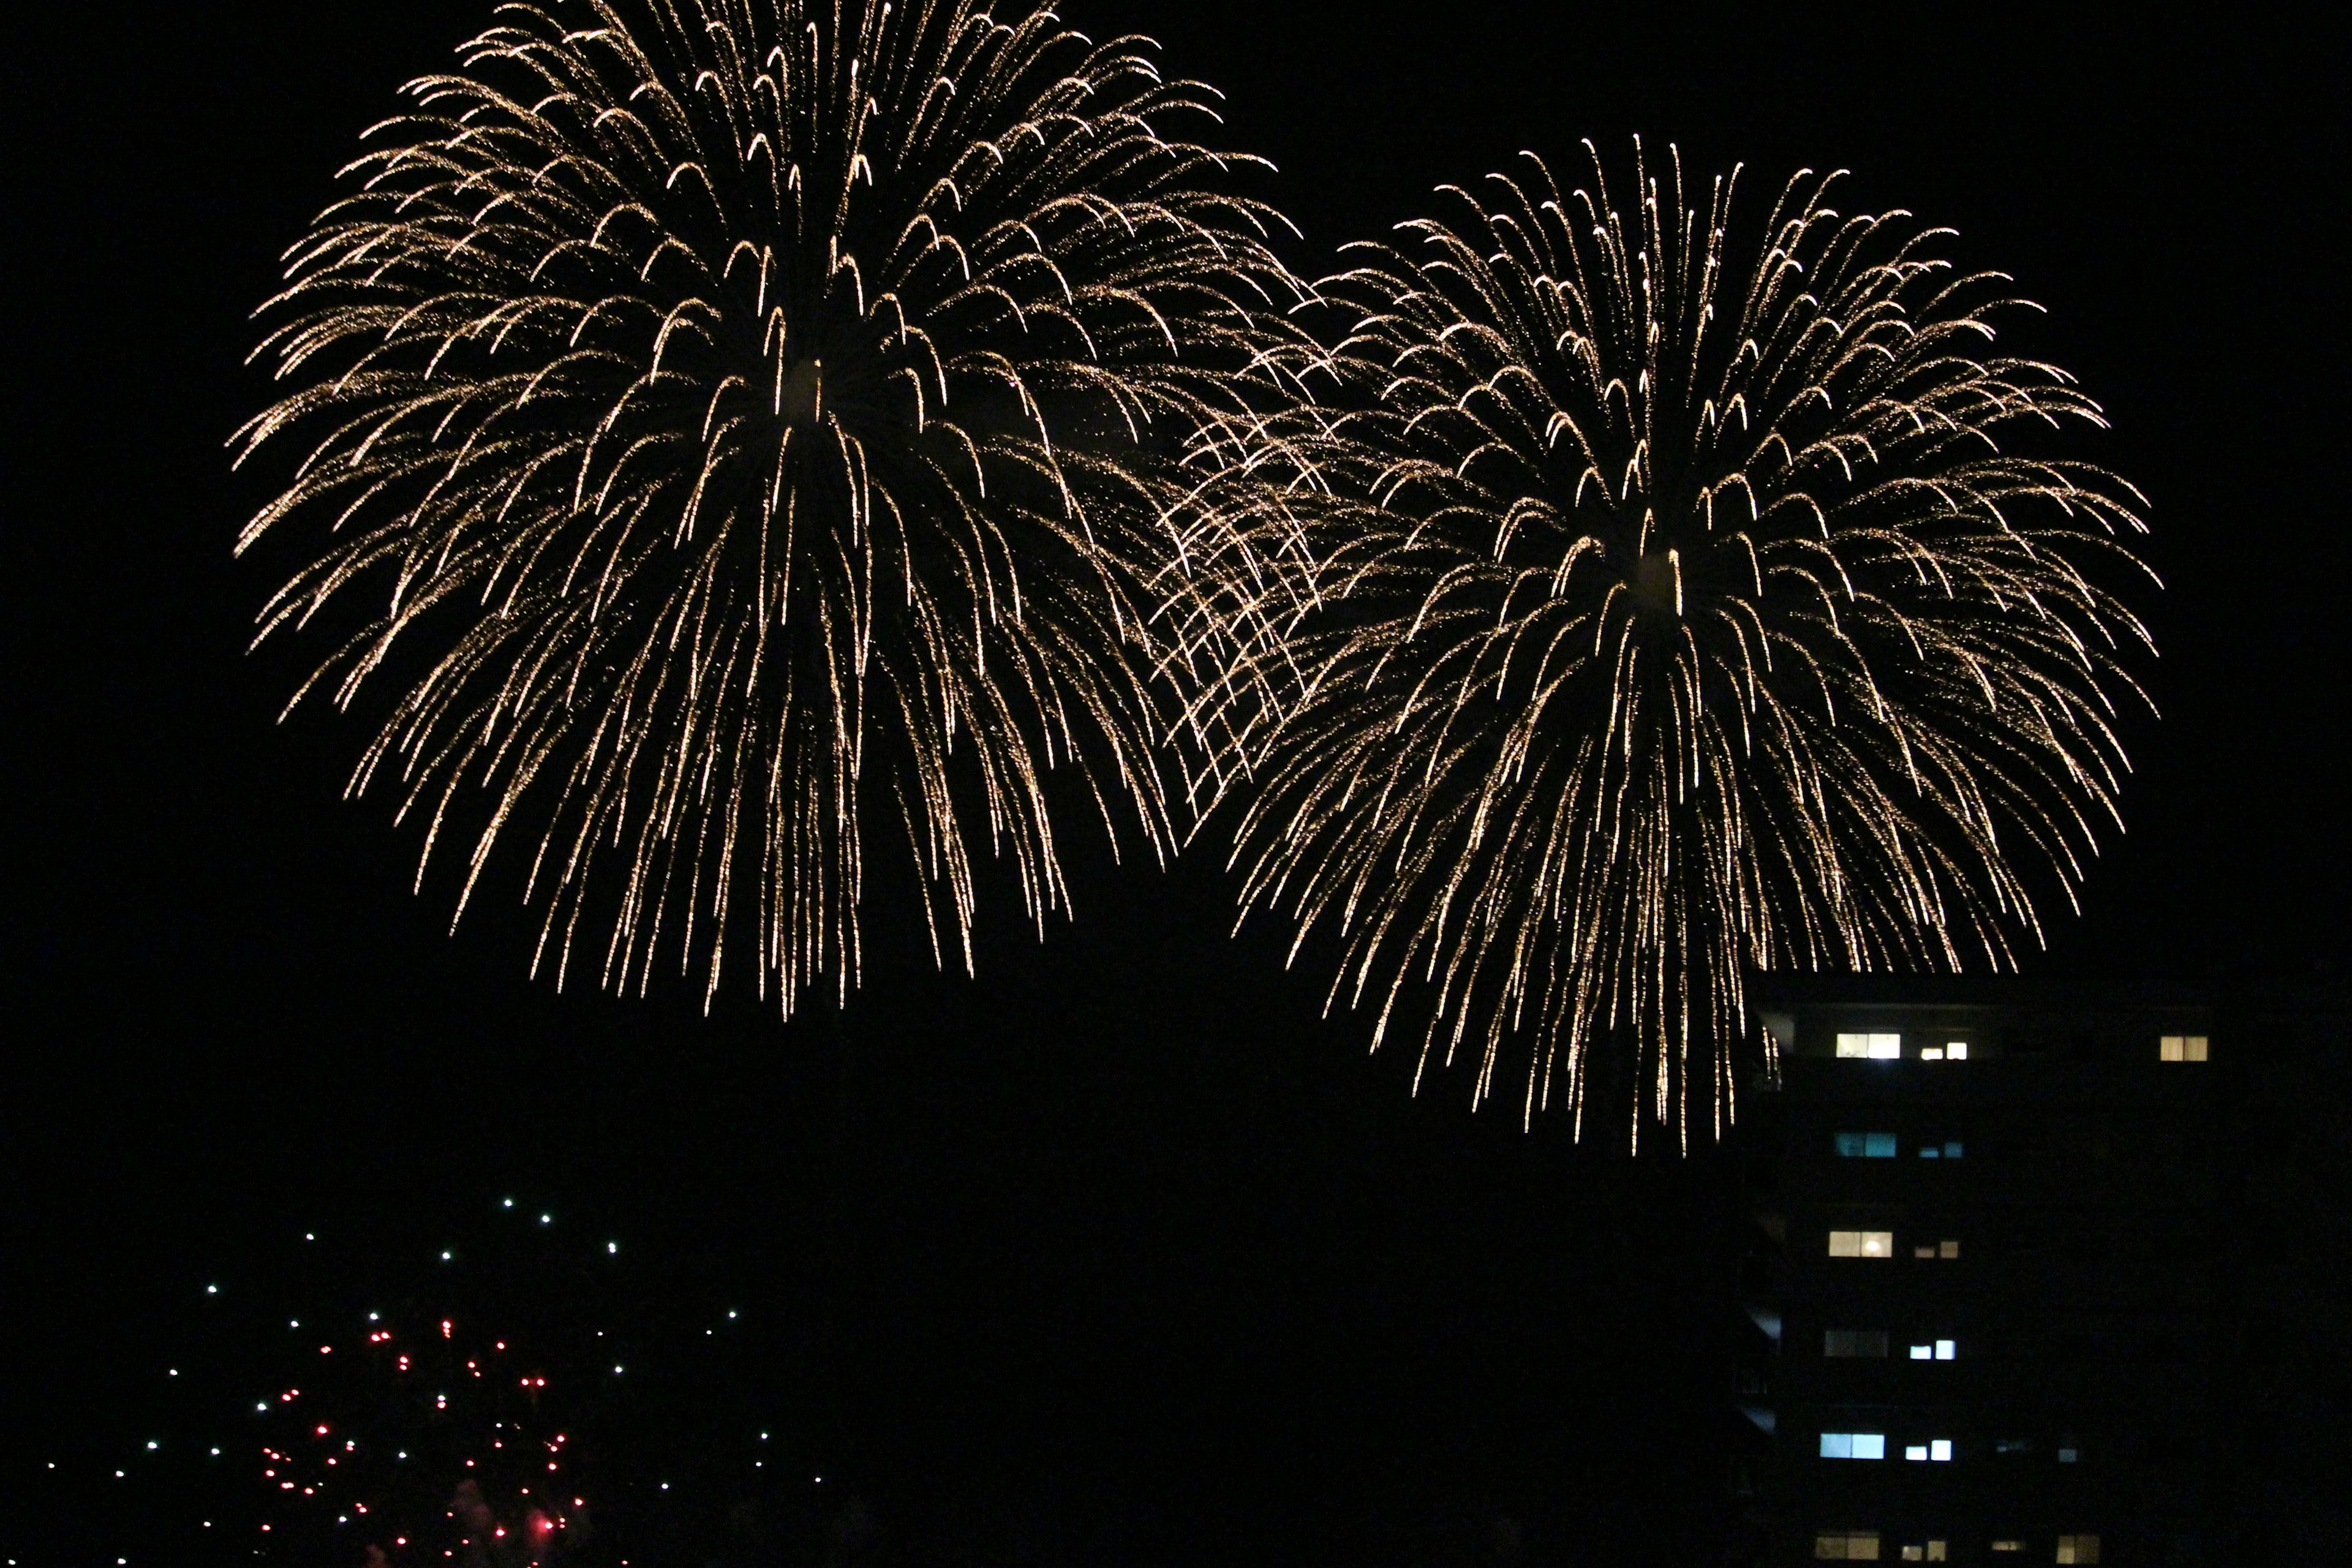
(1844, 1342)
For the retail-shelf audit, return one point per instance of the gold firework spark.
(735, 422)
(1711, 599)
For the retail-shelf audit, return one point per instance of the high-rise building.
(1981, 1285)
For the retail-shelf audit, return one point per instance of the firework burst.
(1712, 598)
(742, 428)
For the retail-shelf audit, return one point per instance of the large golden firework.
(741, 428)
(1713, 599)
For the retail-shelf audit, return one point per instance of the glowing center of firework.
(1657, 582)
(800, 391)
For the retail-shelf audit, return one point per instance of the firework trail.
(739, 427)
(1711, 598)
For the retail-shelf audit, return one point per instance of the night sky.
(1119, 1251)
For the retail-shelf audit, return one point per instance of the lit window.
(2068, 1453)
(1916, 1451)
(1853, 1445)
(1875, 1047)
(1854, 1341)
(1862, 1243)
(1946, 1349)
(1949, 1151)
(2012, 1445)
(2078, 1549)
(2009, 1546)
(1947, 1249)
(1866, 1145)
(1923, 1352)
(1938, 1452)
(1846, 1546)
(1932, 1552)
(2170, 1048)
(1935, 1551)
(1956, 1051)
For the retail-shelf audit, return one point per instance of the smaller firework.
(501, 1390)
(422, 1442)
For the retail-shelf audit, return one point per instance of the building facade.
(1980, 1285)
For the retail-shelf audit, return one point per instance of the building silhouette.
(1981, 1285)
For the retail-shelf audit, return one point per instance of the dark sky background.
(1118, 1251)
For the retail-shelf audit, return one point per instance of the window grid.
(1862, 1244)
(1870, 1048)
(1845, 1342)
(1866, 1145)
(1853, 1445)
(2179, 1047)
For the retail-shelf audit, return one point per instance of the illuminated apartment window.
(1941, 1349)
(1866, 1145)
(1938, 1452)
(1862, 1243)
(2068, 1452)
(2009, 1546)
(1950, 1051)
(2078, 1549)
(1948, 1150)
(1853, 1445)
(1846, 1546)
(1853, 1342)
(1875, 1047)
(1934, 1552)
(2170, 1048)
(1937, 1249)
